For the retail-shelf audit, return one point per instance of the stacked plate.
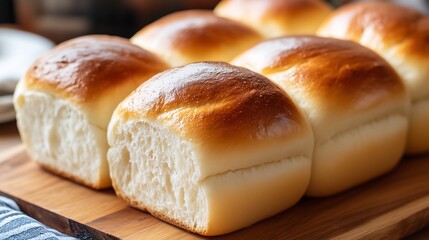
(18, 50)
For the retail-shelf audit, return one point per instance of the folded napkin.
(16, 225)
(18, 50)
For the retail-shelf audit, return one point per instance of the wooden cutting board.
(390, 207)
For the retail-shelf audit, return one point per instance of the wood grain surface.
(390, 207)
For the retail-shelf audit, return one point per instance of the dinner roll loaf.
(354, 100)
(274, 18)
(210, 147)
(401, 36)
(65, 101)
(195, 35)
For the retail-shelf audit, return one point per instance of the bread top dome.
(195, 35)
(216, 104)
(274, 18)
(93, 72)
(338, 83)
(399, 34)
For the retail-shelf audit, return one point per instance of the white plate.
(18, 50)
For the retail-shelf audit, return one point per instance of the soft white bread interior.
(274, 18)
(356, 103)
(210, 147)
(401, 36)
(195, 35)
(64, 103)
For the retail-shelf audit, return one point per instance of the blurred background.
(60, 20)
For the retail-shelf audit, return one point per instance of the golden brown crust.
(85, 67)
(285, 16)
(388, 24)
(283, 10)
(341, 74)
(216, 104)
(417, 43)
(198, 35)
(73, 178)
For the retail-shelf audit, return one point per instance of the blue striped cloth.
(15, 225)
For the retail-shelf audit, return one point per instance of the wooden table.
(10, 145)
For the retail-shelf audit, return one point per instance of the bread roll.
(65, 101)
(354, 100)
(274, 18)
(195, 35)
(210, 147)
(401, 36)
